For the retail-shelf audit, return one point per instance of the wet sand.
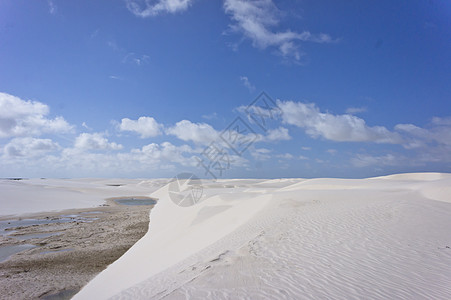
(87, 241)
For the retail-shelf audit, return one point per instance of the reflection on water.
(4, 225)
(12, 228)
(136, 201)
(7, 227)
(7, 251)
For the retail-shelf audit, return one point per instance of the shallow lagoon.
(136, 201)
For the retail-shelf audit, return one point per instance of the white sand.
(19, 197)
(378, 238)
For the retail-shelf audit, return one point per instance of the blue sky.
(131, 88)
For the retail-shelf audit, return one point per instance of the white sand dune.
(377, 238)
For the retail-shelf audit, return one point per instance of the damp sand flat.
(7, 251)
(52, 255)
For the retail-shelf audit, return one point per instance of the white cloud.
(148, 8)
(199, 133)
(285, 156)
(52, 7)
(94, 141)
(165, 152)
(28, 147)
(441, 121)
(86, 126)
(332, 151)
(340, 128)
(135, 59)
(210, 116)
(439, 133)
(255, 20)
(150, 160)
(356, 110)
(27, 118)
(261, 154)
(145, 126)
(247, 83)
(278, 134)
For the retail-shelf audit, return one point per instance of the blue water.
(135, 201)
(4, 225)
(7, 251)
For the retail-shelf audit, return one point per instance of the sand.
(377, 238)
(91, 232)
(60, 265)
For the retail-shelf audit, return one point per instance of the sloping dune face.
(378, 238)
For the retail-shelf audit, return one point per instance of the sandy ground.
(376, 238)
(60, 265)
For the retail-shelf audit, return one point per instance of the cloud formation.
(199, 133)
(94, 141)
(278, 134)
(27, 118)
(165, 152)
(256, 20)
(145, 126)
(150, 8)
(247, 83)
(339, 128)
(28, 147)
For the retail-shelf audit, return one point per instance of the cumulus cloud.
(27, 118)
(340, 128)
(145, 126)
(441, 121)
(255, 19)
(94, 141)
(199, 133)
(278, 134)
(261, 153)
(285, 156)
(150, 8)
(247, 83)
(29, 147)
(433, 143)
(156, 153)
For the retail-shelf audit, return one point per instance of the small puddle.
(7, 251)
(63, 295)
(136, 201)
(24, 237)
(56, 251)
(91, 212)
(6, 227)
